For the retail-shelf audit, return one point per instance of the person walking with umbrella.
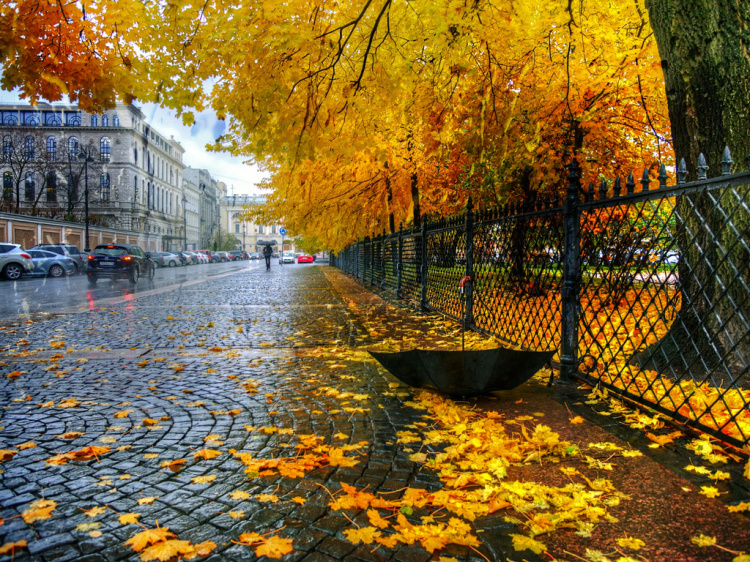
(267, 253)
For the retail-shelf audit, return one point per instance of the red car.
(304, 258)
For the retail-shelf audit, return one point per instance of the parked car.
(186, 258)
(237, 255)
(166, 259)
(304, 258)
(223, 256)
(14, 262)
(200, 257)
(286, 257)
(51, 264)
(80, 259)
(119, 261)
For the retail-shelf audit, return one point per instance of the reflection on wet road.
(47, 295)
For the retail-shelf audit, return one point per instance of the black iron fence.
(652, 300)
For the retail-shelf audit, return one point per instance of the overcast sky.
(244, 178)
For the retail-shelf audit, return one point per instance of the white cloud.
(223, 167)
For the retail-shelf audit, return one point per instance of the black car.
(119, 261)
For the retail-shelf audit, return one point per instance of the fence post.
(469, 250)
(372, 259)
(382, 261)
(423, 267)
(399, 265)
(571, 275)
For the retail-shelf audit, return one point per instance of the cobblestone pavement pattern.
(180, 358)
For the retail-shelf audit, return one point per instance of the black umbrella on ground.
(464, 373)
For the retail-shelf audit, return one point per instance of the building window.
(51, 149)
(105, 121)
(104, 185)
(273, 229)
(9, 117)
(51, 187)
(73, 118)
(135, 154)
(52, 118)
(149, 196)
(29, 148)
(7, 186)
(94, 121)
(30, 118)
(260, 229)
(104, 149)
(30, 186)
(7, 148)
(236, 228)
(115, 121)
(73, 148)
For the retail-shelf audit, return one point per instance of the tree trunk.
(415, 200)
(706, 63)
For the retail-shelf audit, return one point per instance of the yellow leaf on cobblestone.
(39, 510)
(129, 518)
(239, 495)
(12, 547)
(375, 519)
(141, 540)
(206, 454)
(236, 514)
(522, 542)
(168, 549)
(709, 492)
(124, 413)
(27, 445)
(204, 479)
(86, 527)
(107, 439)
(365, 535)
(7, 454)
(298, 499)
(576, 420)
(147, 501)
(742, 506)
(267, 498)
(150, 455)
(275, 547)
(174, 466)
(94, 511)
(149, 421)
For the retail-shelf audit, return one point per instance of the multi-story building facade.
(251, 233)
(53, 154)
(209, 193)
(191, 200)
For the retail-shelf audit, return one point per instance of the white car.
(286, 257)
(14, 262)
(202, 258)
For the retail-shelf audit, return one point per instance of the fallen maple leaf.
(149, 421)
(7, 454)
(27, 445)
(239, 495)
(124, 413)
(39, 510)
(703, 540)
(141, 540)
(236, 514)
(522, 542)
(167, 549)
(265, 498)
(375, 519)
(11, 547)
(94, 511)
(631, 543)
(710, 492)
(206, 454)
(298, 499)
(275, 547)
(147, 501)
(365, 535)
(129, 518)
(204, 548)
(204, 479)
(174, 466)
(85, 527)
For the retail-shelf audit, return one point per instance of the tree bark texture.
(705, 50)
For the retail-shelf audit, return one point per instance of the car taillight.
(91, 258)
(27, 256)
(127, 258)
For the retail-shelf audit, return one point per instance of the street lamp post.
(85, 155)
(184, 223)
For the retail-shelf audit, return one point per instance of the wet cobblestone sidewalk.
(219, 365)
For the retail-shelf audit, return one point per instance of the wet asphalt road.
(32, 296)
